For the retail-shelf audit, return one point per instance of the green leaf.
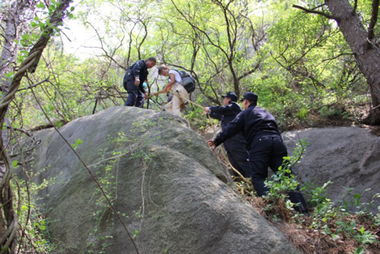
(40, 5)
(359, 250)
(361, 230)
(77, 143)
(15, 163)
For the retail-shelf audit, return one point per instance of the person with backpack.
(236, 146)
(177, 88)
(134, 79)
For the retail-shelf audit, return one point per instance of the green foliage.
(15, 163)
(298, 64)
(281, 183)
(336, 222)
(77, 143)
(329, 218)
(34, 225)
(284, 180)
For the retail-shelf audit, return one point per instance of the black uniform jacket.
(251, 122)
(138, 69)
(225, 113)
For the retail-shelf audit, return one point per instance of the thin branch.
(194, 27)
(34, 85)
(19, 130)
(372, 24)
(106, 54)
(337, 56)
(249, 72)
(324, 14)
(145, 26)
(355, 7)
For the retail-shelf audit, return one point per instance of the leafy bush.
(330, 219)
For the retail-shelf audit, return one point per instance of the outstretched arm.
(223, 110)
(218, 112)
(168, 87)
(215, 115)
(232, 128)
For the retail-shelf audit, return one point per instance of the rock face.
(166, 184)
(347, 156)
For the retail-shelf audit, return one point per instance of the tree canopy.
(298, 63)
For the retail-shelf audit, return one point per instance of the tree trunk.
(367, 54)
(18, 13)
(13, 19)
(8, 217)
(9, 50)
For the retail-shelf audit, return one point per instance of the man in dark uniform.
(236, 146)
(134, 80)
(265, 145)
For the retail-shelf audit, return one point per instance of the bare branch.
(372, 24)
(337, 56)
(106, 54)
(145, 26)
(249, 72)
(324, 14)
(194, 27)
(355, 7)
(34, 85)
(27, 133)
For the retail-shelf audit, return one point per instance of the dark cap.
(251, 97)
(231, 95)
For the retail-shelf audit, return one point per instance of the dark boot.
(300, 204)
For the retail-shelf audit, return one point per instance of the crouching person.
(175, 88)
(265, 145)
(236, 146)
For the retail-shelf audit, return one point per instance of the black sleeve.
(137, 68)
(223, 110)
(232, 128)
(215, 115)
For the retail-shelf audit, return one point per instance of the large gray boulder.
(169, 189)
(347, 156)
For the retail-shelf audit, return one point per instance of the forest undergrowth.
(329, 228)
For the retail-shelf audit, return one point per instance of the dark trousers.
(237, 153)
(268, 150)
(135, 96)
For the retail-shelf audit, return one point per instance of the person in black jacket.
(134, 79)
(236, 145)
(265, 145)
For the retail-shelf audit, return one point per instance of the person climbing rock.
(174, 86)
(134, 79)
(236, 145)
(265, 145)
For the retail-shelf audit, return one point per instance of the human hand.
(137, 82)
(211, 144)
(206, 110)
